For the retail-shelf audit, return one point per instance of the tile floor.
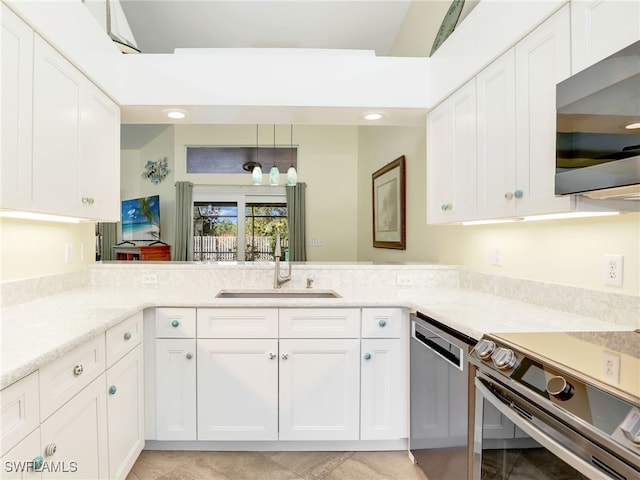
(172, 465)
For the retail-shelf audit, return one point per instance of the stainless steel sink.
(277, 294)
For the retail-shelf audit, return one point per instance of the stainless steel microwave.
(598, 129)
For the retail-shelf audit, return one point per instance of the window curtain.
(183, 249)
(107, 233)
(296, 219)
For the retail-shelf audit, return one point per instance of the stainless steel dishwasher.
(440, 405)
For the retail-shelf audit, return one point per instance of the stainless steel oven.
(537, 419)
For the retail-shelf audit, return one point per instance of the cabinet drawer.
(319, 323)
(122, 338)
(237, 323)
(64, 377)
(381, 322)
(19, 411)
(175, 323)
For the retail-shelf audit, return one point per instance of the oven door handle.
(539, 436)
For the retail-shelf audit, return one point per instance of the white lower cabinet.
(381, 407)
(175, 389)
(74, 439)
(319, 389)
(125, 411)
(21, 461)
(288, 374)
(237, 389)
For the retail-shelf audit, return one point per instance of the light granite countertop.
(34, 333)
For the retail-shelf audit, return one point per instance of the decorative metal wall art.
(156, 171)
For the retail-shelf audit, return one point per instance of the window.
(222, 216)
(262, 222)
(222, 160)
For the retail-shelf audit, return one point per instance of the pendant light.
(274, 173)
(256, 173)
(292, 174)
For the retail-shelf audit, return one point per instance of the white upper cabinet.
(516, 124)
(58, 92)
(100, 157)
(496, 138)
(542, 60)
(60, 134)
(17, 74)
(451, 164)
(600, 28)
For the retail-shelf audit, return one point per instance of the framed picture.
(389, 197)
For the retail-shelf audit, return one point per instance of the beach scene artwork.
(141, 219)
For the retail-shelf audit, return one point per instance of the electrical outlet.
(403, 280)
(611, 367)
(495, 256)
(612, 269)
(149, 279)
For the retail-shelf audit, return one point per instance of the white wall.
(33, 248)
(327, 162)
(378, 146)
(133, 185)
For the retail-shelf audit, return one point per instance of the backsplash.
(609, 307)
(23, 291)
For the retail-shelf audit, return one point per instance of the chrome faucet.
(277, 278)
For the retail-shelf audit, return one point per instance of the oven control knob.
(631, 426)
(559, 388)
(485, 348)
(504, 359)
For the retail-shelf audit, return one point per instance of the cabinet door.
(237, 389)
(451, 161)
(496, 138)
(74, 439)
(100, 151)
(21, 461)
(600, 28)
(495, 425)
(319, 389)
(175, 389)
(542, 60)
(125, 412)
(17, 78)
(381, 390)
(58, 93)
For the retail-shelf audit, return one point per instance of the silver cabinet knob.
(382, 323)
(367, 356)
(284, 356)
(272, 356)
(175, 323)
(446, 206)
(127, 336)
(508, 196)
(78, 369)
(189, 356)
(50, 449)
(88, 200)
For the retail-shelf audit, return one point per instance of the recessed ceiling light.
(373, 116)
(176, 114)
(633, 126)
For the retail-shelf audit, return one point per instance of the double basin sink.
(277, 294)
